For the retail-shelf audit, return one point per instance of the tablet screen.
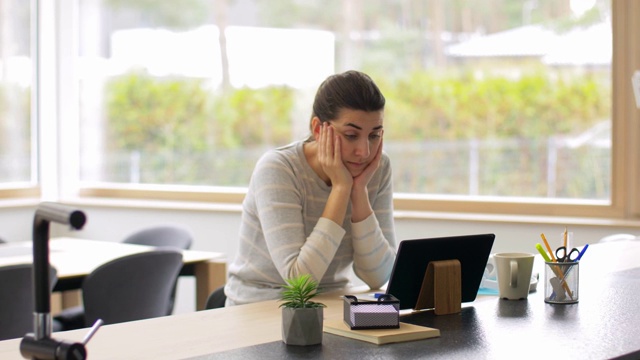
(413, 256)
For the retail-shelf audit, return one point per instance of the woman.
(320, 205)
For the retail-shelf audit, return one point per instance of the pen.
(565, 238)
(546, 243)
(582, 252)
(543, 253)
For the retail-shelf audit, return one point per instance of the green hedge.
(431, 106)
(186, 133)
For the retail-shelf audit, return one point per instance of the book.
(406, 332)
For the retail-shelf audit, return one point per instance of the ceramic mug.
(514, 274)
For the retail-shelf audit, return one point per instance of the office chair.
(161, 236)
(132, 287)
(17, 300)
(165, 236)
(216, 299)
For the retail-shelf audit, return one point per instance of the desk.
(602, 325)
(75, 258)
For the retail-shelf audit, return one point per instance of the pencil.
(546, 243)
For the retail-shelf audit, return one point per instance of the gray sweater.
(282, 234)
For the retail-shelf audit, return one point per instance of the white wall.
(217, 231)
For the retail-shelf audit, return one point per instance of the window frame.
(30, 189)
(625, 197)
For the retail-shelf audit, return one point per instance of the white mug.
(514, 274)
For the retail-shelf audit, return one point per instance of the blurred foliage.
(150, 114)
(426, 105)
(187, 134)
(248, 117)
(157, 114)
(165, 117)
(177, 130)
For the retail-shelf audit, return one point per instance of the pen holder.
(381, 314)
(561, 282)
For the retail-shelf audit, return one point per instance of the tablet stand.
(441, 288)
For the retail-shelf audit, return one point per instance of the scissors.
(564, 256)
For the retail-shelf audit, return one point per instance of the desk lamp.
(39, 344)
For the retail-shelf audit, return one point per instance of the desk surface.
(78, 257)
(75, 258)
(601, 325)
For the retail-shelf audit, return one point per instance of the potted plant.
(301, 317)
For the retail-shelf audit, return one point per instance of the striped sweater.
(282, 233)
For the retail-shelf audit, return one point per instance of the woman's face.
(361, 136)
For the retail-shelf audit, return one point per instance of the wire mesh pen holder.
(561, 284)
(381, 314)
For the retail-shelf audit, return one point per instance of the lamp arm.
(39, 344)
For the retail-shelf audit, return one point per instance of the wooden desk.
(601, 325)
(75, 258)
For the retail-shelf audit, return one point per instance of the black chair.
(132, 287)
(216, 299)
(165, 236)
(17, 301)
(162, 236)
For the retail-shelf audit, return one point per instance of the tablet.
(413, 256)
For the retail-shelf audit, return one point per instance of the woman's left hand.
(361, 181)
(360, 206)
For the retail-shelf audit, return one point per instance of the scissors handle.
(563, 255)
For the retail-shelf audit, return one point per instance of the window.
(18, 173)
(502, 108)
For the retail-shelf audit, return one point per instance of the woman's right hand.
(330, 157)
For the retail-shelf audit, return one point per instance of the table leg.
(56, 303)
(210, 275)
(71, 298)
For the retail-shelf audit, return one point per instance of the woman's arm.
(374, 237)
(279, 200)
(330, 159)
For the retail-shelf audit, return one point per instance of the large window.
(489, 102)
(17, 170)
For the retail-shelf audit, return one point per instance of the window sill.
(407, 206)
(516, 219)
(142, 204)
(13, 203)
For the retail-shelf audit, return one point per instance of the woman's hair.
(349, 90)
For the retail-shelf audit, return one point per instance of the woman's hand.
(330, 158)
(361, 181)
(360, 205)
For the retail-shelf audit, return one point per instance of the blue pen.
(582, 252)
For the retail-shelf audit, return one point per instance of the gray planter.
(302, 326)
